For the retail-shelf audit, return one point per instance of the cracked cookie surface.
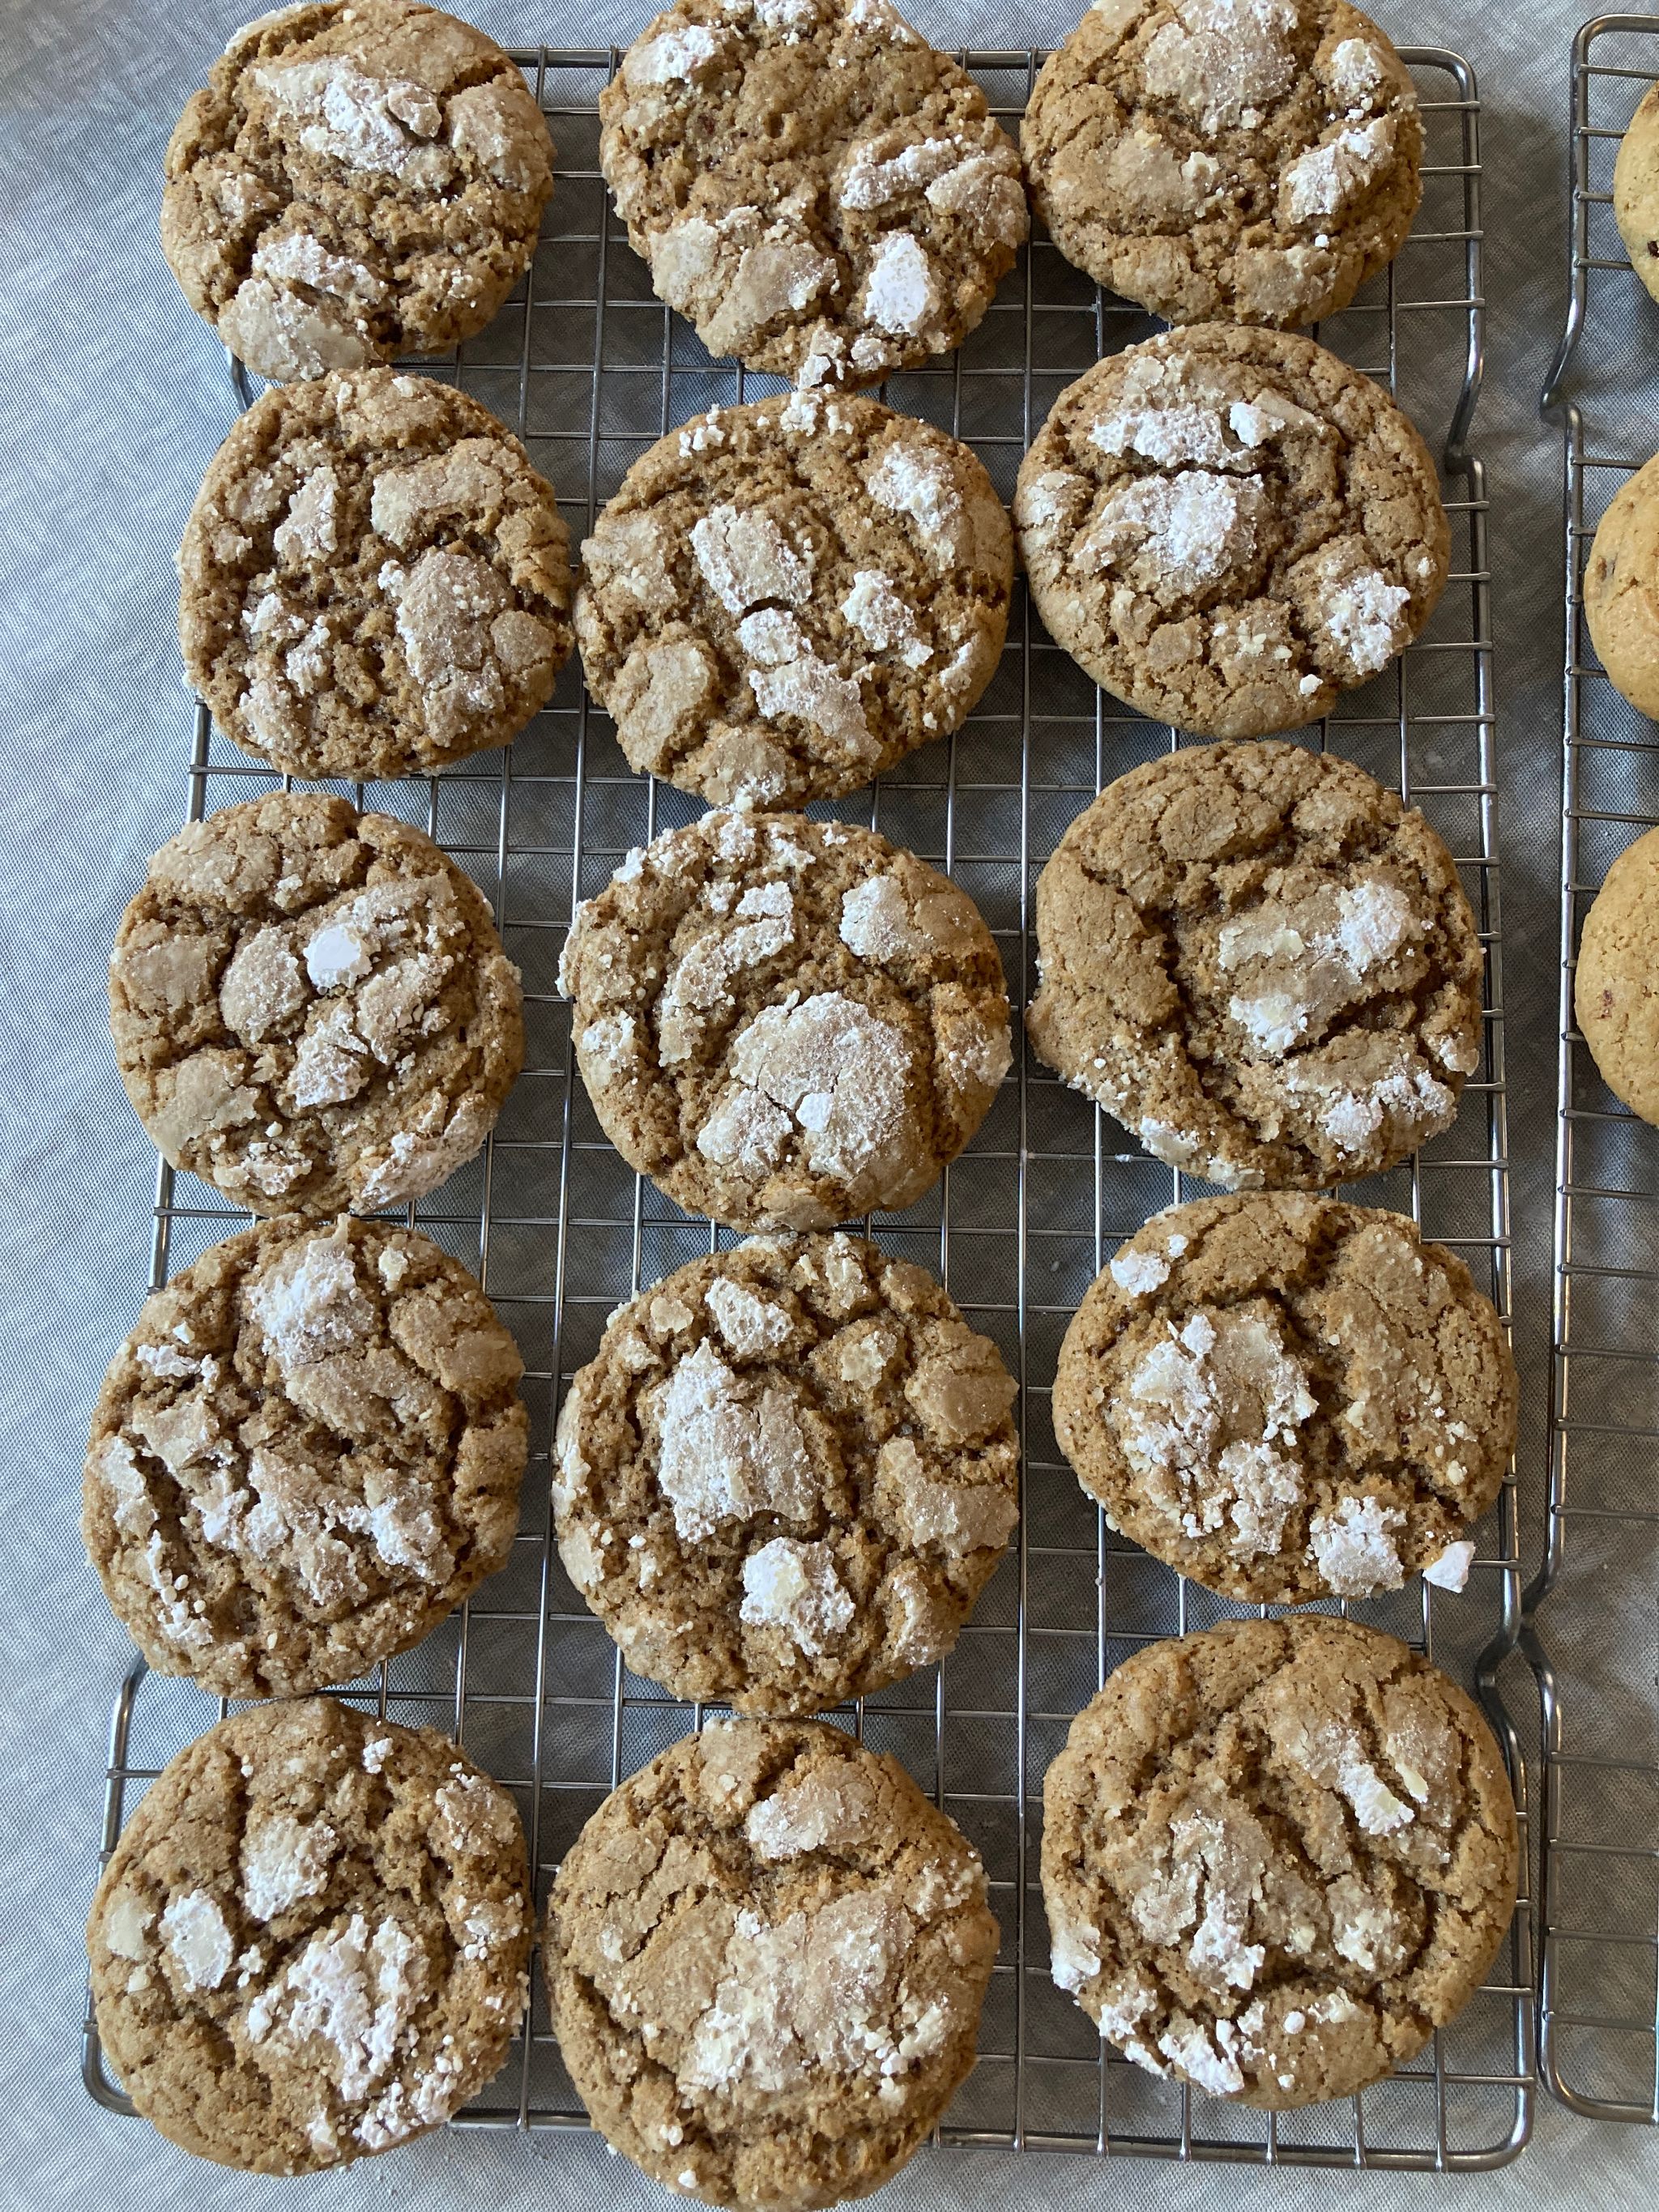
(1612, 992)
(1276, 1856)
(354, 182)
(1261, 962)
(313, 1941)
(787, 1475)
(765, 1957)
(1228, 529)
(813, 186)
(785, 1024)
(1288, 1399)
(1245, 161)
(306, 1453)
(374, 580)
(785, 598)
(311, 1008)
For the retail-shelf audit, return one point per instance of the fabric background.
(111, 401)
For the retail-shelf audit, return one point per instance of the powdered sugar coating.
(1237, 1887)
(1228, 528)
(1306, 1401)
(327, 1461)
(342, 1971)
(797, 1940)
(787, 1476)
(784, 1065)
(813, 186)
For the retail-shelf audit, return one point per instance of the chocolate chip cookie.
(1247, 161)
(1289, 1399)
(354, 182)
(1612, 993)
(1635, 190)
(813, 187)
(306, 1454)
(311, 1010)
(784, 598)
(787, 1475)
(1277, 1856)
(1621, 582)
(1229, 528)
(1261, 962)
(313, 1941)
(785, 1024)
(375, 581)
(765, 1957)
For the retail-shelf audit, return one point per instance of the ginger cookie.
(1288, 1399)
(307, 1452)
(813, 187)
(313, 1939)
(785, 598)
(765, 1959)
(785, 1024)
(1261, 964)
(354, 182)
(1276, 1856)
(375, 580)
(311, 1007)
(1621, 589)
(1239, 160)
(1635, 190)
(1613, 995)
(1228, 529)
(787, 1475)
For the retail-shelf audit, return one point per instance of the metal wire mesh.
(1599, 2021)
(590, 368)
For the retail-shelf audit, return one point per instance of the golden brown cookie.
(813, 187)
(1276, 1856)
(785, 1024)
(785, 598)
(375, 582)
(1621, 589)
(1245, 161)
(354, 182)
(1229, 528)
(765, 1960)
(787, 1476)
(1635, 190)
(1288, 1399)
(1261, 962)
(1613, 996)
(306, 1454)
(313, 1938)
(311, 1010)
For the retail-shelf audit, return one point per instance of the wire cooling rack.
(589, 370)
(1599, 2015)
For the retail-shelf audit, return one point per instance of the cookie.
(1262, 963)
(1276, 1856)
(375, 582)
(787, 1475)
(1289, 1400)
(1621, 589)
(783, 599)
(1228, 529)
(1240, 161)
(765, 1960)
(785, 1024)
(307, 1452)
(352, 183)
(813, 187)
(1635, 190)
(311, 1007)
(313, 1939)
(1612, 993)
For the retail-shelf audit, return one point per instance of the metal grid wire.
(589, 368)
(1599, 1889)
